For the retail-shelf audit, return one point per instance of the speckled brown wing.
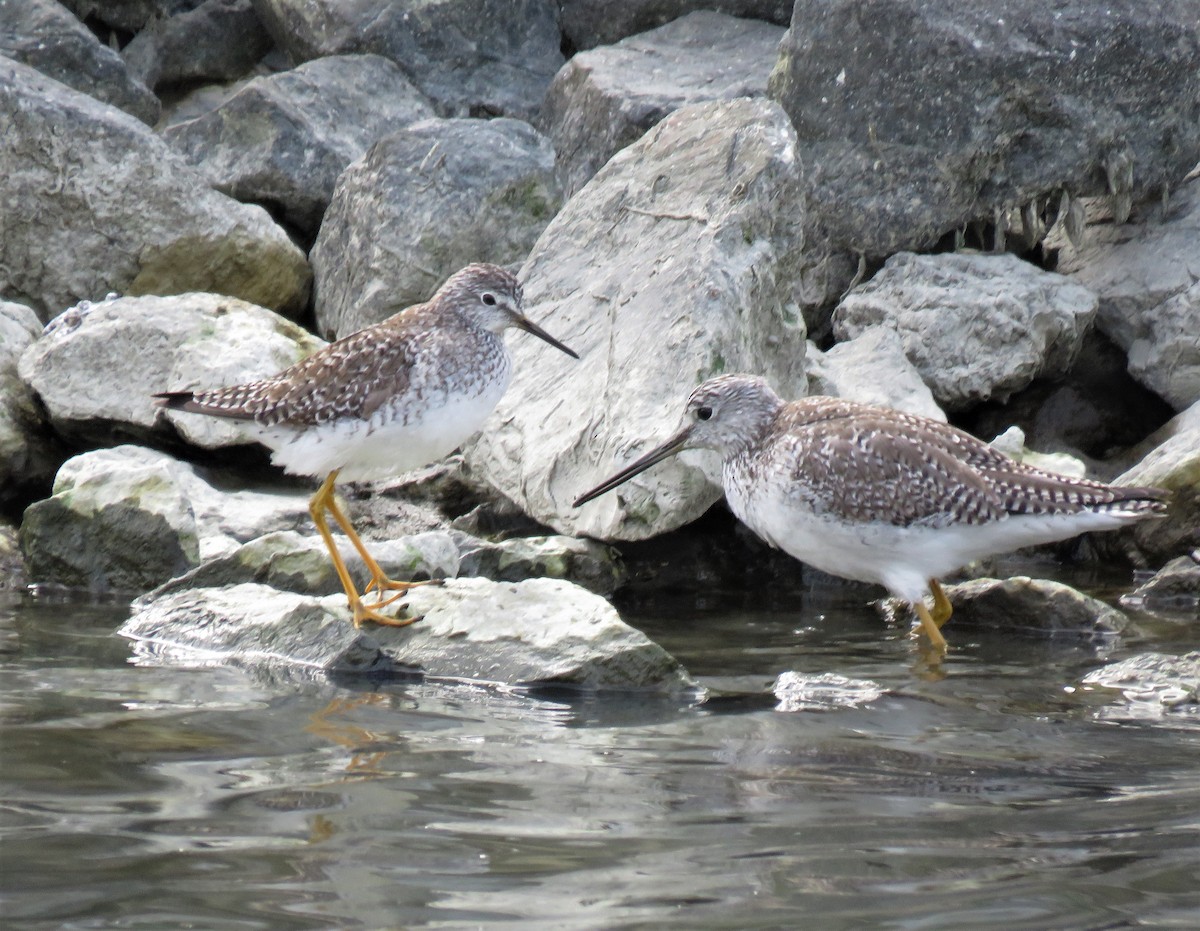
(900, 469)
(348, 378)
(863, 467)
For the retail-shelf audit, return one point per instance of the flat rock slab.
(537, 632)
(1040, 605)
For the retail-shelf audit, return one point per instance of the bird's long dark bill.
(524, 323)
(658, 454)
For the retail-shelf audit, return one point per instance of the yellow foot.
(930, 627)
(942, 609)
(381, 583)
(362, 612)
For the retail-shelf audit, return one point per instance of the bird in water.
(389, 398)
(877, 495)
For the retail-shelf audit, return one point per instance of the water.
(993, 793)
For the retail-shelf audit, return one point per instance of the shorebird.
(876, 495)
(392, 397)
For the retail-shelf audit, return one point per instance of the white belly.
(902, 559)
(387, 444)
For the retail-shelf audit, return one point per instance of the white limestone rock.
(976, 326)
(136, 346)
(675, 263)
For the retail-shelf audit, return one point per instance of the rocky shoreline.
(977, 227)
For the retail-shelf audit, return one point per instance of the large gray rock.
(130, 518)
(673, 264)
(605, 99)
(28, 458)
(975, 326)
(588, 23)
(283, 140)
(127, 15)
(92, 201)
(422, 203)
(136, 346)
(1041, 605)
(45, 36)
(923, 117)
(539, 632)
(872, 368)
(220, 40)
(1144, 274)
(472, 57)
(1175, 466)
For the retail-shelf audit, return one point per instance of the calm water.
(991, 794)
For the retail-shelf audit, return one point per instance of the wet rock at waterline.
(800, 692)
(133, 218)
(676, 262)
(1175, 466)
(603, 100)
(1152, 686)
(1175, 588)
(1032, 606)
(131, 518)
(282, 140)
(975, 326)
(136, 346)
(299, 562)
(540, 631)
(423, 202)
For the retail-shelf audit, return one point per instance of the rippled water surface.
(993, 792)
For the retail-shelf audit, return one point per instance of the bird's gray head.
(726, 413)
(491, 298)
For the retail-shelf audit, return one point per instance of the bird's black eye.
(488, 298)
(703, 413)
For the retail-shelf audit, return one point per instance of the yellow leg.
(929, 626)
(942, 609)
(379, 579)
(320, 503)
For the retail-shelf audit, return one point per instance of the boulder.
(136, 346)
(605, 99)
(1143, 273)
(471, 57)
(1022, 603)
(74, 229)
(28, 457)
(219, 40)
(1175, 587)
(1175, 466)
(299, 563)
(675, 263)
(872, 368)
(422, 203)
(44, 35)
(588, 23)
(539, 632)
(127, 15)
(1089, 411)
(921, 118)
(282, 140)
(1152, 685)
(12, 563)
(129, 518)
(975, 326)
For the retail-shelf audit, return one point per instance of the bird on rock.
(392, 397)
(877, 495)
